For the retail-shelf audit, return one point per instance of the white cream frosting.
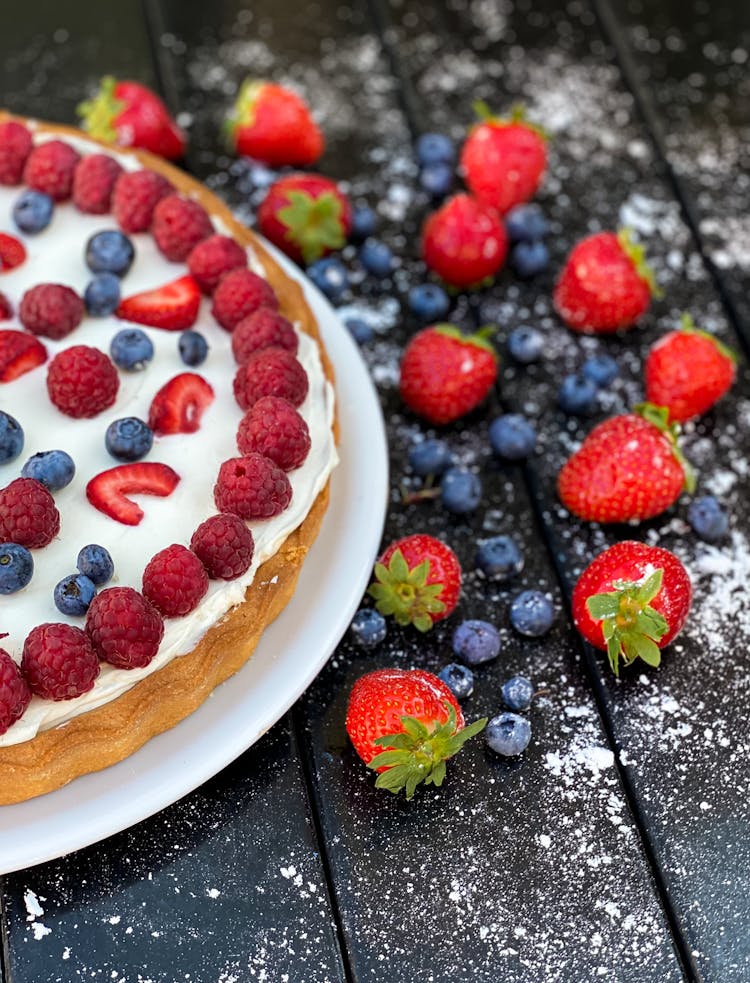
(57, 256)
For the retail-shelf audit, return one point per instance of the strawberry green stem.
(630, 626)
(517, 115)
(313, 224)
(243, 113)
(405, 593)
(659, 417)
(637, 255)
(479, 338)
(687, 325)
(98, 115)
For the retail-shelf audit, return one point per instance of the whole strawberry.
(445, 373)
(274, 125)
(629, 468)
(464, 242)
(306, 216)
(131, 115)
(405, 724)
(417, 580)
(688, 371)
(631, 601)
(503, 159)
(606, 284)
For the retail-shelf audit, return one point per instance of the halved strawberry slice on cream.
(180, 404)
(172, 307)
(108, 492)
(20, 352)
(12, 252)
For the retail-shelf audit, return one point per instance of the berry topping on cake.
(263, 328)
(12, 252)
(272, 124)
(28, 515)
(15, 147)
(15, 694)
(110, 251)
(179, 405)
(6, 310)
(212, 258)
(136, 195)
(108, 491)
(464, 242)
(82, 381)
(94, 182)
(193, 348)
(33, 212)
(224, 545)
(11, 437)
(125, 629)
(59, 661)
(306, 216)
(102, 295)
(252, 487)
(94, 562)
(16, 567)
(128, 439)
(50, 167)
(174, 581)
(172, 307)
(179, 224)
(54, 469)
(270, 372)
(274, 428)
(51, 310)
(239, 293)
(131, 349)
(73, 594)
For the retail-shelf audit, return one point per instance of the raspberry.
(49, 168)
(174, 581)
(136, 195)
(51, 310)
(252, 487)
(59, 661)
(82, 381)
(15, 147)
(28, 515)
(239, 293)
(94, 182)
(125, 629)
(179, 224)
(224, 545)
(271, 372)
(14, 692)
(274, 428)
(212, 258)
(263, 328)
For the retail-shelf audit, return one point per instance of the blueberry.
(518, 693)
(95, 563)
(437, 179)
(431, 456)
(330, 276)
(16, 567)
(376, 258)
(73, 594)
(110, 252)
(577, 395)
(532, 613)
(476, 642)
(32, 211)
(601, 370)
(131, 349)
(11, 438)
(435, 148)
(364, 223)
(128, 439)
(102, 295)
(529, 258)
(526, 223)
(459, 679)
(54, 469)
(193, 348)
(526, 345)
(512, 436)
(428, 302)
(460, 491)
(499, 558)
(508, 734)
(360, 330)
(708, 519)
(368, 627)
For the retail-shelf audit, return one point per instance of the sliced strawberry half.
(179, 405)
(108, 491)
(20, 352)
(12, 252)
(173, 307)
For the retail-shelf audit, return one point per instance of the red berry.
(172, 307)
(270, 372)
(28, 515)
(224, 545)
(239, 293)
(125, 629)
(306, 216)
(274, 428)
(273, 124)
(15, 694)
(174, 581)
(15, 147)
(50, 167)
(108, 490)
(252, 487)
(59, 661)
(263, 328)
(94, 183)
(178, 225)
(212, 258)
(6, 308)
(136, 195)
(19, 353)
(464, 241)
(82, 381)
(12, 252)
(51, 310)
(179, 405)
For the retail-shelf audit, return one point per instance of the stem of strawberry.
(631, 627)
(659, 417)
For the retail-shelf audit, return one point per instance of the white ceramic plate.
(291, 653)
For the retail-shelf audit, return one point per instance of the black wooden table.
(618, 847)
